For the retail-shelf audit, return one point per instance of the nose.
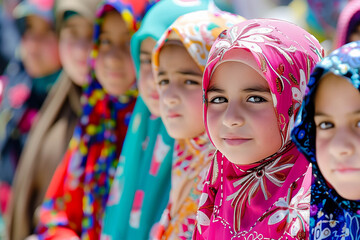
(233, 116)
(342, 144)
(170, 95)
(114, 58)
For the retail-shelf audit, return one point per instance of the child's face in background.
(75, 46)
(179, 83)
(355, 36)
(147, 86)
(337, 119)
(113, 66)
(39, 48)
(240, 114)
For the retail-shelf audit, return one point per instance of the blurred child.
(348, 25)
(50, 136)
(143, 173)
(258, 186)
(179, 61)
(328, 134)
(28, 79)
(75, 201)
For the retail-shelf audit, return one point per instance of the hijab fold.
(331, 216)
(269, 198)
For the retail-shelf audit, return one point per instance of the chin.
(176, 135)
(349, 193)
(153, 108)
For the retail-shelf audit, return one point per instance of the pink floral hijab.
(269, 199)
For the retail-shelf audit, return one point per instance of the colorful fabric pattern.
(76, 198)
(331, 216)
(268, 199)
(143, 174)
(22, 99)
(192, 158)
(197, 31)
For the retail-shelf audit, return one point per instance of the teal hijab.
(141, 187)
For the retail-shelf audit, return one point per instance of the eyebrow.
(145, 52)
(213, 88)
(321, 114)
(185, 72)
(261, 89)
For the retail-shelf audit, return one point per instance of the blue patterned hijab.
(331, 216)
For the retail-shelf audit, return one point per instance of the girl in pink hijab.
(258, 185)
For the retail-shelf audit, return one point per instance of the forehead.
(77, 20)
(175, 57)
(337, 92)
(36, 21)
(147, 45)
(113, 22)
(235, 73)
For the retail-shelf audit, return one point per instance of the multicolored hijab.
(348, 20)
(21, 99)
(331, 216)
(197, 31)
(78, 193)
(269, 198)
(143, 173)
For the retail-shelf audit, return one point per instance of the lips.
(235, 141)
(173, 115)
(343, 169)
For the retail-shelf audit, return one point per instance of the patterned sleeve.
(207, 199)
(59, 214)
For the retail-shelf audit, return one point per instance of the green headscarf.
(141, 186)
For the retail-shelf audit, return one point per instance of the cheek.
(193, 101)
(322, 153)
(66, 52)
(99, 68)
(142, 86)
(265, 125)
(213, 123)
(50, 49)
(146, 82)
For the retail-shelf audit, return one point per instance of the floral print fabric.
(331, 216)
(197, 31)
(268, 199)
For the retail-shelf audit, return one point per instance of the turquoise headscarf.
(141, 186)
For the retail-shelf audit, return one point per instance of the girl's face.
(179, 85)
(337, 119)
(113, 65)
(240, 114)
(147, 86)
(75, 47)
(39, 48)
(355, 35)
